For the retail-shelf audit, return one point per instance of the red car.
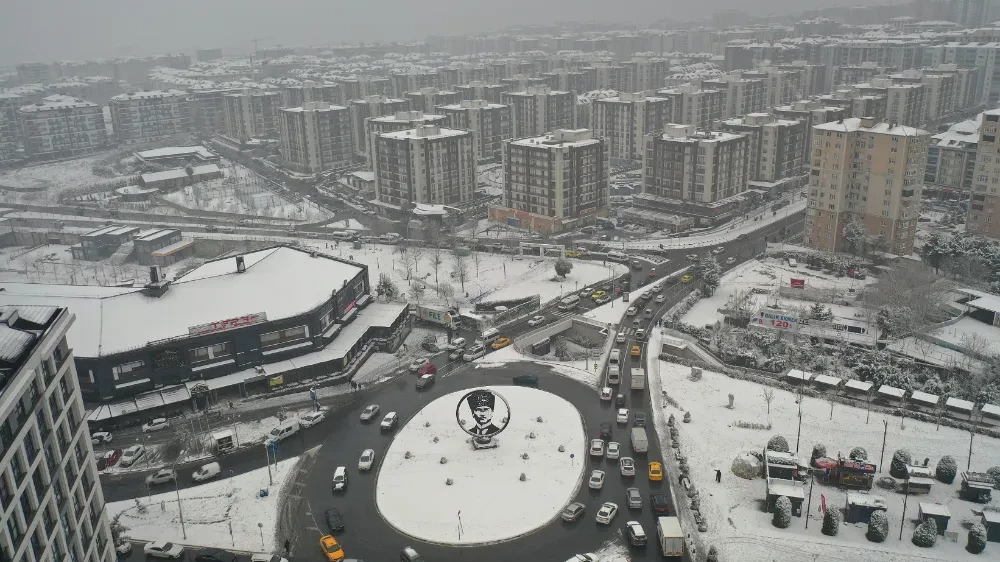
(109, 459)
(428, 369)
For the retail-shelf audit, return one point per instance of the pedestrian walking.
(718, 476)
(288, 547)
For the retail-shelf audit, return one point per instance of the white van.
(490, 336)
(617, 256)
(614, 373)
(342, 235)
(792, 262)
(615, 357)
(284, 431)
(474, 352)
(207, 472)
(390, 238)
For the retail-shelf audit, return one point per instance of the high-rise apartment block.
(35, 73)
(867, 173)
(360, 87)
(489, 124)
(906, 104)
(644, 73)
(315, 137)
(426, 99)
(492, 93)
(252, 114)
(984, 206)
(690, 105)
(427, 165)
(951, 160)
(403, 82)
(51, 503)
(370, 107)
(150, 116)
(777, 150)
(62, 126)
(399, 121)
(208, 110)
(740, 95)
(622, 122)
(539, 110)
(297, 95)
(555, 181)
(783, 85)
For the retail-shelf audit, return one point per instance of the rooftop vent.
(9, 317)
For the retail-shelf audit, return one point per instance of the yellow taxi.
(501, 343)
(636, 351)
(572, 254)
(331, 548)
(687, 279)
(655, 471)
(598, 294)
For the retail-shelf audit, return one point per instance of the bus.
(569, 303)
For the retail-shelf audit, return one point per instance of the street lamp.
(260, 526)
(177, 490)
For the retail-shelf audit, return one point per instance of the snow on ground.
(615, 550)
(581, 369)
(492, 176)
(969, 331)
(346, 224)
(221, 514)
(54, 263)
(487, 477)
(740, 528)
(611, 313)
(55, 176)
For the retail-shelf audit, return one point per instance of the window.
(126, 368)
(210, 352)
(283, 336)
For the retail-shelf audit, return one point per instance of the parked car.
(155, 425)
(614, 449)
(312, 418)
(215, 555)
(366, 460)
(458, 343)
(161, 476)
(108, 459)
(627, 466)
(730, 260)
(536, 320)
(456, 354)
(425, 382)
(718, 250)
(692, 257)
(526, 380)
(686, 279)
(603, 299)
(428, 369)
(607, 513)
(596, 448)
(334, 520)
(163, 549)
(131, 455)
(417, 364)
(573, 511)
(339, 482)
(634, 498)
(267, 558)
(389, 421)
(206, 472)
(596, 480)
(369, 412)
(100, 437)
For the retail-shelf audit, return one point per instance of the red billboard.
(798, 283)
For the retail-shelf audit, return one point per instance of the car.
(334, 520)
(369, 413)
(596, 481)
(131, 455)
(597, 295)
(615, 356)
(456, 354)
(660, 299)
(99, 437)
(573, 511)
(526, 380)
(425, 381)
(655, 471)
(634, 498)
(155, 425)
(718, 250)
(607, 513)
(331, 548)
(458, 343)
(418, 363)
(586, 292)
(640, 334)
(686, 279)
(215, 555)
(161, 476)
(572, 254)
(124, 548)
(639, 419)
(636, 351)
(389, 421)
(603, 300)
(428, 369)
(206, 472)
(536, 320)
(636, 534)
(632, 311)
(622, 415)
(366, 460)
(501, 343)
(585, 557)
(475, 352)
(605, 430)
(659, 503)
(659, 288)
(606, 393)
(692, 257)
(163, 549)
(597, 447)
(620, 400)
(339, 482)
(108, 459)
(267, 558)
(620, 338)
(627, 466)
(312, 418)
(613, 451)
(730, 260)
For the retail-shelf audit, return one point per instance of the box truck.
(670, 535)
(638, 379)
(640, 444)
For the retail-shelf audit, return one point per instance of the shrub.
(977, 539)
(878, 527)
(925, 535)
(819, 450)
(900, 460)
(778, 443)
(831, 522)
(859, 454)
(687, 417)
(782, 512)
(946, 469)
(994, 472)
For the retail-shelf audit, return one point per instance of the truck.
(640, 444)
(638, 379)
(439, 315)
(670, 536)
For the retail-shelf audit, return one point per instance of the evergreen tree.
(878, 527)
(831, 522)
(778, 443)
(563, 267)
(710, 274)
(819, 450)
(925, 535)
(977, 539)
(934, 251)
(858, 454)
(782, 512)
(900, 460)
(946, 469)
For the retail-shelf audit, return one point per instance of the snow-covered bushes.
(858, 454)
(831, 522)
(878, 527)
(946, 469)
(819, 450)
(687, 417)
(925, 535)
(778, 443)
(782, 512)
(994, 472)
(900, 460)
(681, 308)
(977, 539)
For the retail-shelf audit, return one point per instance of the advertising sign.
(798, 283)
(776, 319)
(228, 324)
(275, 381)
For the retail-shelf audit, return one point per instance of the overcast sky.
(46, 30)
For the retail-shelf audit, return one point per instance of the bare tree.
(436, 261)
(869, 399)
(831, 397)
(461, 270)
(768, 394)
(447, 292)
(417, 252)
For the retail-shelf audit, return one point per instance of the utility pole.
(268, 457)
(885, 433)
(902, 520)
(812, 480)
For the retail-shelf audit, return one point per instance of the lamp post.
(267, 456)
(885, 433)
(177, 490)
(260, 527)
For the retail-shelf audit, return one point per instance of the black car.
(659, 503)
(334, 520)
(639, 419)
(215, 555)
(526, 380)
(605, 430)
(620, 401)
(425, 381)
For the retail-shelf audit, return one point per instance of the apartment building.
(371, 106)
(777, 150)
(427, 99)
(10, 105)
(208, 110)
(783, 85)
(360, 87)
(554, 182)
(951, 160)
(814, 79)
(428, 164)
(982, 56)
(315, 137)
(35, 73)
(399, 121)
(567, 80)
(51, 503)
(939, 91)
(622, 121)
(489, 124)
(812, 113)
(906, 104)
(403, 82)
(8, 141)
(539, 110)
(149, 116)
(866, 172)
(297, 95)
(644, 73)
(491, 93)
(984, 205)
(691, 105)
(740, 95)
(61, 127)
(252, 114)
(859, 74)
(853, 103)
(461, 73)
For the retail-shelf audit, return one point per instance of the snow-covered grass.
(346, 224)
(488, 477)
(55, 176)
(738, 525)
(580, 370)
(221, 514)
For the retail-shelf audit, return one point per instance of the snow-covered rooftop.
(176, 151)
(852, 124)
(52, 103)
(925, 398)
(928, 508)
(180, 172)
(860, 386)
(151, 94)
(796, 374)
(827, 380)
(426, 132)
(958, 404)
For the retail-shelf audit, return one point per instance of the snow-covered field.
(739, 526)
(56, 175)
(221, 514)
(348, 224)
(481, 478)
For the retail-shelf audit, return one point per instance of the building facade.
(426, 99)
(622, 122)
(428, 165)
(315, 137)
(150, 116)
(690, 105)
(539, 110)
(489, 123)
(984, 205)
(740, 95)
(252, 114)
(399, 121)
(298, 95)
(492, 93)
(951, 160)
(61, 127)
(370, 107)
(777, 148)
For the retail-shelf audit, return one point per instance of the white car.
(585, 557)
(607, 513)
(418, 363)
(161, 476)
(164, 549)
(311, 419)
(606, 394)
(627, 466)
(389, 421)
(155, 425)
(366, 460)
(596, 480)
(267, 558)
(536, 320)
(613, 451)
(730, 260)
(660, 299)
(622, 415)
(632, 311)
(369, 412)
(692, 257)
(718, 250)
(620, 338)
(456, 354)
(597, 447)
(130, 455)
(458, 343)
(100, 437)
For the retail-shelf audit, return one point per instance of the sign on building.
(228, 324)
(776, 319)
(798, 283)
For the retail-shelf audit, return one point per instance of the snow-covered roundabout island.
(486, 501)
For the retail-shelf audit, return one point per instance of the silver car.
(369, 412)
(573, 511)
(634, 498)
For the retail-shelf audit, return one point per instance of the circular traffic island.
(475, 468)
